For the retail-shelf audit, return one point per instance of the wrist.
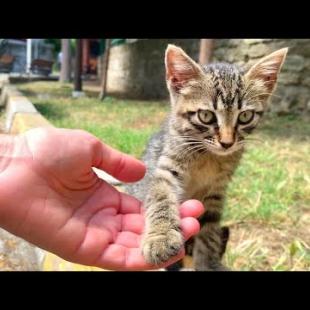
(11, 147)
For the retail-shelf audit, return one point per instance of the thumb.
(121, 166)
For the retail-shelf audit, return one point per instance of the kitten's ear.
(180, 68)
(267, 69)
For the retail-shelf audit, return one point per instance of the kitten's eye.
(206, 116)
(245, 117)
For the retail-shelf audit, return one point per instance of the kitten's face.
(217, 106)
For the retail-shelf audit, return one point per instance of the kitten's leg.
(210, 243)
(225, 238)
(163, 238)
(207, 252)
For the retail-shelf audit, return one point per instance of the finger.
(109, 211)
(121, 166)
(135, 261)
(191, 208)
(190, 227)
(118, 257)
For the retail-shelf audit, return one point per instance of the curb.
(4, 80)
(21, 114)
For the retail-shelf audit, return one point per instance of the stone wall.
(137, 70)
(293, 91)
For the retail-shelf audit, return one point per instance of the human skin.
(51, 197)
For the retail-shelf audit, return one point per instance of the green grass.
(125, 125)
(268, 201)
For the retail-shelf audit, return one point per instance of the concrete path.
(17, 254)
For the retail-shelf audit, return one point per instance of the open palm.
(50, 196)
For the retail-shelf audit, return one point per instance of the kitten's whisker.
(210, 142)
(186, 150)
(202, 148)
(190, 151)
(187, 139)
(187, 145)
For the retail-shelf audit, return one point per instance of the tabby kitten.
(199, 146)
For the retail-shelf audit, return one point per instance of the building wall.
(137, 70)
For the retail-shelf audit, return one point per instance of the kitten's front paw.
(160, 248)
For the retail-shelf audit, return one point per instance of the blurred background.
(135, 68)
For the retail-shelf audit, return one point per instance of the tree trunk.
(65, 71)
(85, 58)
(206, 50)
(78, 66)
(105, 65)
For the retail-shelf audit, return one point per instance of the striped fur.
(190, 158)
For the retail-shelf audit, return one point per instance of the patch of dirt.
(258, 246)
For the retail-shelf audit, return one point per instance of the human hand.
(51, 197)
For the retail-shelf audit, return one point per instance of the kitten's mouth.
(223, 151)
(218, 149)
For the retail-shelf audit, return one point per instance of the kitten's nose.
(226, 145)
(226, 136)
